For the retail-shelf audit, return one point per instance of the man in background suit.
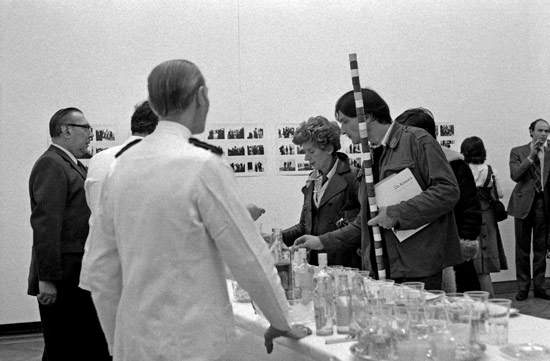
(529, 168)
(59, 219)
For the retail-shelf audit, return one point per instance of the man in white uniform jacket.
(168, 219)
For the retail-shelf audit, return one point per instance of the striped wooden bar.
(367, 171)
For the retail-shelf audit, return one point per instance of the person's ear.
(202, 95)
(65, 131)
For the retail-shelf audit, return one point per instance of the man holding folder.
(423, 255)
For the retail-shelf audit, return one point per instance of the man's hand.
(308, 241)
(469, 248)
(255, 211)
(382, 219)
(47, 292)
(296, 332)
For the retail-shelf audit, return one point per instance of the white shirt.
(540, 154)
(71, 155)
(168, 219)
(98, 168)
(319, 188)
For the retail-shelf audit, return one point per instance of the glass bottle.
(323, 295)
(343, 305)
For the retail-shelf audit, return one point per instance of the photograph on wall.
(217, 133)
(287, 149)
(287, 165)
(235, 133)
(254, 132)
(446, 130)
(255, 166)
(286, 131)
(235, 150)
(255, 149)
(239, 167)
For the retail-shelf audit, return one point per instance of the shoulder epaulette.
(213, 148)
(127, 146)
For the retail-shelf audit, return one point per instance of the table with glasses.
(251, 326)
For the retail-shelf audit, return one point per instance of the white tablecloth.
(250, 343)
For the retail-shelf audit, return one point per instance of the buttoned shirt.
(169, 219)
(540, 154)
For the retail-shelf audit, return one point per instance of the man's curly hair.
(319, 131)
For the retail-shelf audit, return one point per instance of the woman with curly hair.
(330, 193)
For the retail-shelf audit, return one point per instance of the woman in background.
(330, 193)
(491, 257)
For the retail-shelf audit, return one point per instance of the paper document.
(395, 189)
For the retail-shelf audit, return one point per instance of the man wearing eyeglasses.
(59, 219)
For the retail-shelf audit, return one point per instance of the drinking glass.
(460, 310)
(497, 321)
(413, 293)
(479, 315)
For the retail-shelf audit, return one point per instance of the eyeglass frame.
(85, 126)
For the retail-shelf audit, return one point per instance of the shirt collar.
(173, 128)
(386, 138)
(71, 155)
(333, 169)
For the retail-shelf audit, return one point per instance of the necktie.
(324, 180)
(536, 167)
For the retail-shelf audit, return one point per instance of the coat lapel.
(336, 184)
(63, 155)
(546, 165)
(308, 204)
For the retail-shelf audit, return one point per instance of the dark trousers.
(466, 277)
(534, 225)
(432, 282)
(71, 328)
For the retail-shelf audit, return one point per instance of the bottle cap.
(322, 258)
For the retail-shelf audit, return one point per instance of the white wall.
(481, 65)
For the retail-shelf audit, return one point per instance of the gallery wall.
(483, 66)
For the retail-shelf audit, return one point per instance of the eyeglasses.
(85, 126)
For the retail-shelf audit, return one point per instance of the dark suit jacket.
(59, 219)
(339, 201)
(522, 172)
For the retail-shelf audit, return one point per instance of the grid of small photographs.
(244, 147)
(290, 157)
(445, 133)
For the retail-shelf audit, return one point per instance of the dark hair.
(144, 120)
(473, 150)
(172, 86)
(372, 103)
(418, 117)
(534, 124)
(58, 119)
(319, 131)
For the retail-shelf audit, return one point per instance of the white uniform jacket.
(169, 218)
